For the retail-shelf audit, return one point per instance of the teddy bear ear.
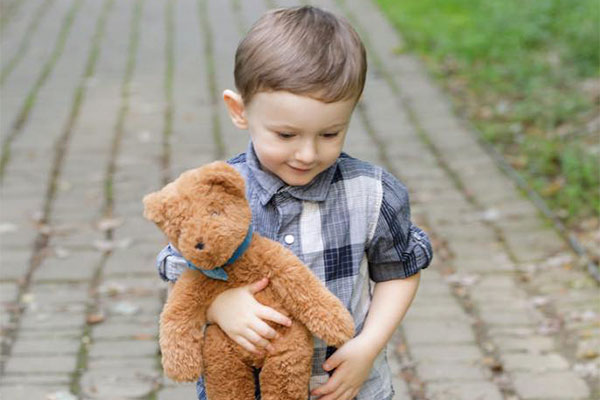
(222, 174)
(154, 207)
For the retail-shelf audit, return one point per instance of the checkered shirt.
(351, 225)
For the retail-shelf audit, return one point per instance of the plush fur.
(208, 205)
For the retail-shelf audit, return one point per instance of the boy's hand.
(352, 363)
(241, 317)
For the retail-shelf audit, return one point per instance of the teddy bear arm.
(311, 303)
(181, 329)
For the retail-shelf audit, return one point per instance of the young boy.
(300, 72)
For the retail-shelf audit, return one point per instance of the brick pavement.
(100, 101)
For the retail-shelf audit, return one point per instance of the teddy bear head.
(204, 213)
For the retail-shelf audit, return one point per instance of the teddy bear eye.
(215, 214)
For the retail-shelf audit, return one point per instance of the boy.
(300, 72)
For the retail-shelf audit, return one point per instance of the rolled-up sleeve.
(398, 248)
(170, 264)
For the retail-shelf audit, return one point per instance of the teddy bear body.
(205, 214)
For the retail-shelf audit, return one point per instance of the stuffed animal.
(205, 215)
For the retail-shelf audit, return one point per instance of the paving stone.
(551, 385)
(445, 311)
(480, 390)
(125, 330)
(36, 379)
(8, 292)
(79, 266)
(509, 317)
(123, 348)
(445, 353)
(532, 344)
(534, 362)
(41, 364)
(440, 331)
(45, 321)
(482, 295)
(438, 371)
(118, 383)
(183, 391)
(14, 264)
(29, 392)
(44, 346)
(145, 364)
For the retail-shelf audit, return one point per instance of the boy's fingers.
(258, 286)
(274, 316)
(246, 345)
(334, 393)
(330, 387)
(264, 330)
(332, 362)
(255, 338)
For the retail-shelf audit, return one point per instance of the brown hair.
(303, 50)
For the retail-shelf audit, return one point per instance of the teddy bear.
(205, 215)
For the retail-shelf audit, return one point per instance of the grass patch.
(527, 75)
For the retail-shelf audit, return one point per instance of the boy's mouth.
(300, 169)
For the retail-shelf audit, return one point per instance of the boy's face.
(295, 137)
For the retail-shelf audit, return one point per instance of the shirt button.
(289, 239)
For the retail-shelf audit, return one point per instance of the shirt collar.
(268, 184)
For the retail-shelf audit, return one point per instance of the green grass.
(521, 72)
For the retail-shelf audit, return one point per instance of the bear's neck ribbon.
(219, 272)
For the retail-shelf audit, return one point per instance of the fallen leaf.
(96, 318)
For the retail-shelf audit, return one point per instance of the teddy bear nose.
(200, 246)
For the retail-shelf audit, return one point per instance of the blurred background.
(526, 75)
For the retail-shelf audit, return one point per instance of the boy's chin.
(296, 181)
(301, 180)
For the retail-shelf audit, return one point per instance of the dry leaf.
(95, 318)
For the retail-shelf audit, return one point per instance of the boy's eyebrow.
(287, 126)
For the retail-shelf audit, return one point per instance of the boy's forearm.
(391, 300)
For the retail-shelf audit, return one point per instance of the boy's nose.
(306, 154)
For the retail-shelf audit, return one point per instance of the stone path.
(101, 100)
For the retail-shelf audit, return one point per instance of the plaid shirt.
(351, 225)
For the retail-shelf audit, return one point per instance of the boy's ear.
(236, 108)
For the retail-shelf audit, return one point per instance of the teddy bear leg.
(226, 376)
(286, 374)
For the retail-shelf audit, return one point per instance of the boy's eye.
(284, 135)
(330, 135)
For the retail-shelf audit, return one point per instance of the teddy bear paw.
(182, 366)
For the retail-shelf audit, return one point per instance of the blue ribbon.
(219, 272)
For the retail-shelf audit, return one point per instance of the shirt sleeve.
(170, 264)
(398, 248)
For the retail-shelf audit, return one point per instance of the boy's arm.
(391, 300)
(353, 361)
(170, 264)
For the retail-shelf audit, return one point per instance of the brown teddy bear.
(205, 215)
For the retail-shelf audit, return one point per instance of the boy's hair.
(302, 50)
